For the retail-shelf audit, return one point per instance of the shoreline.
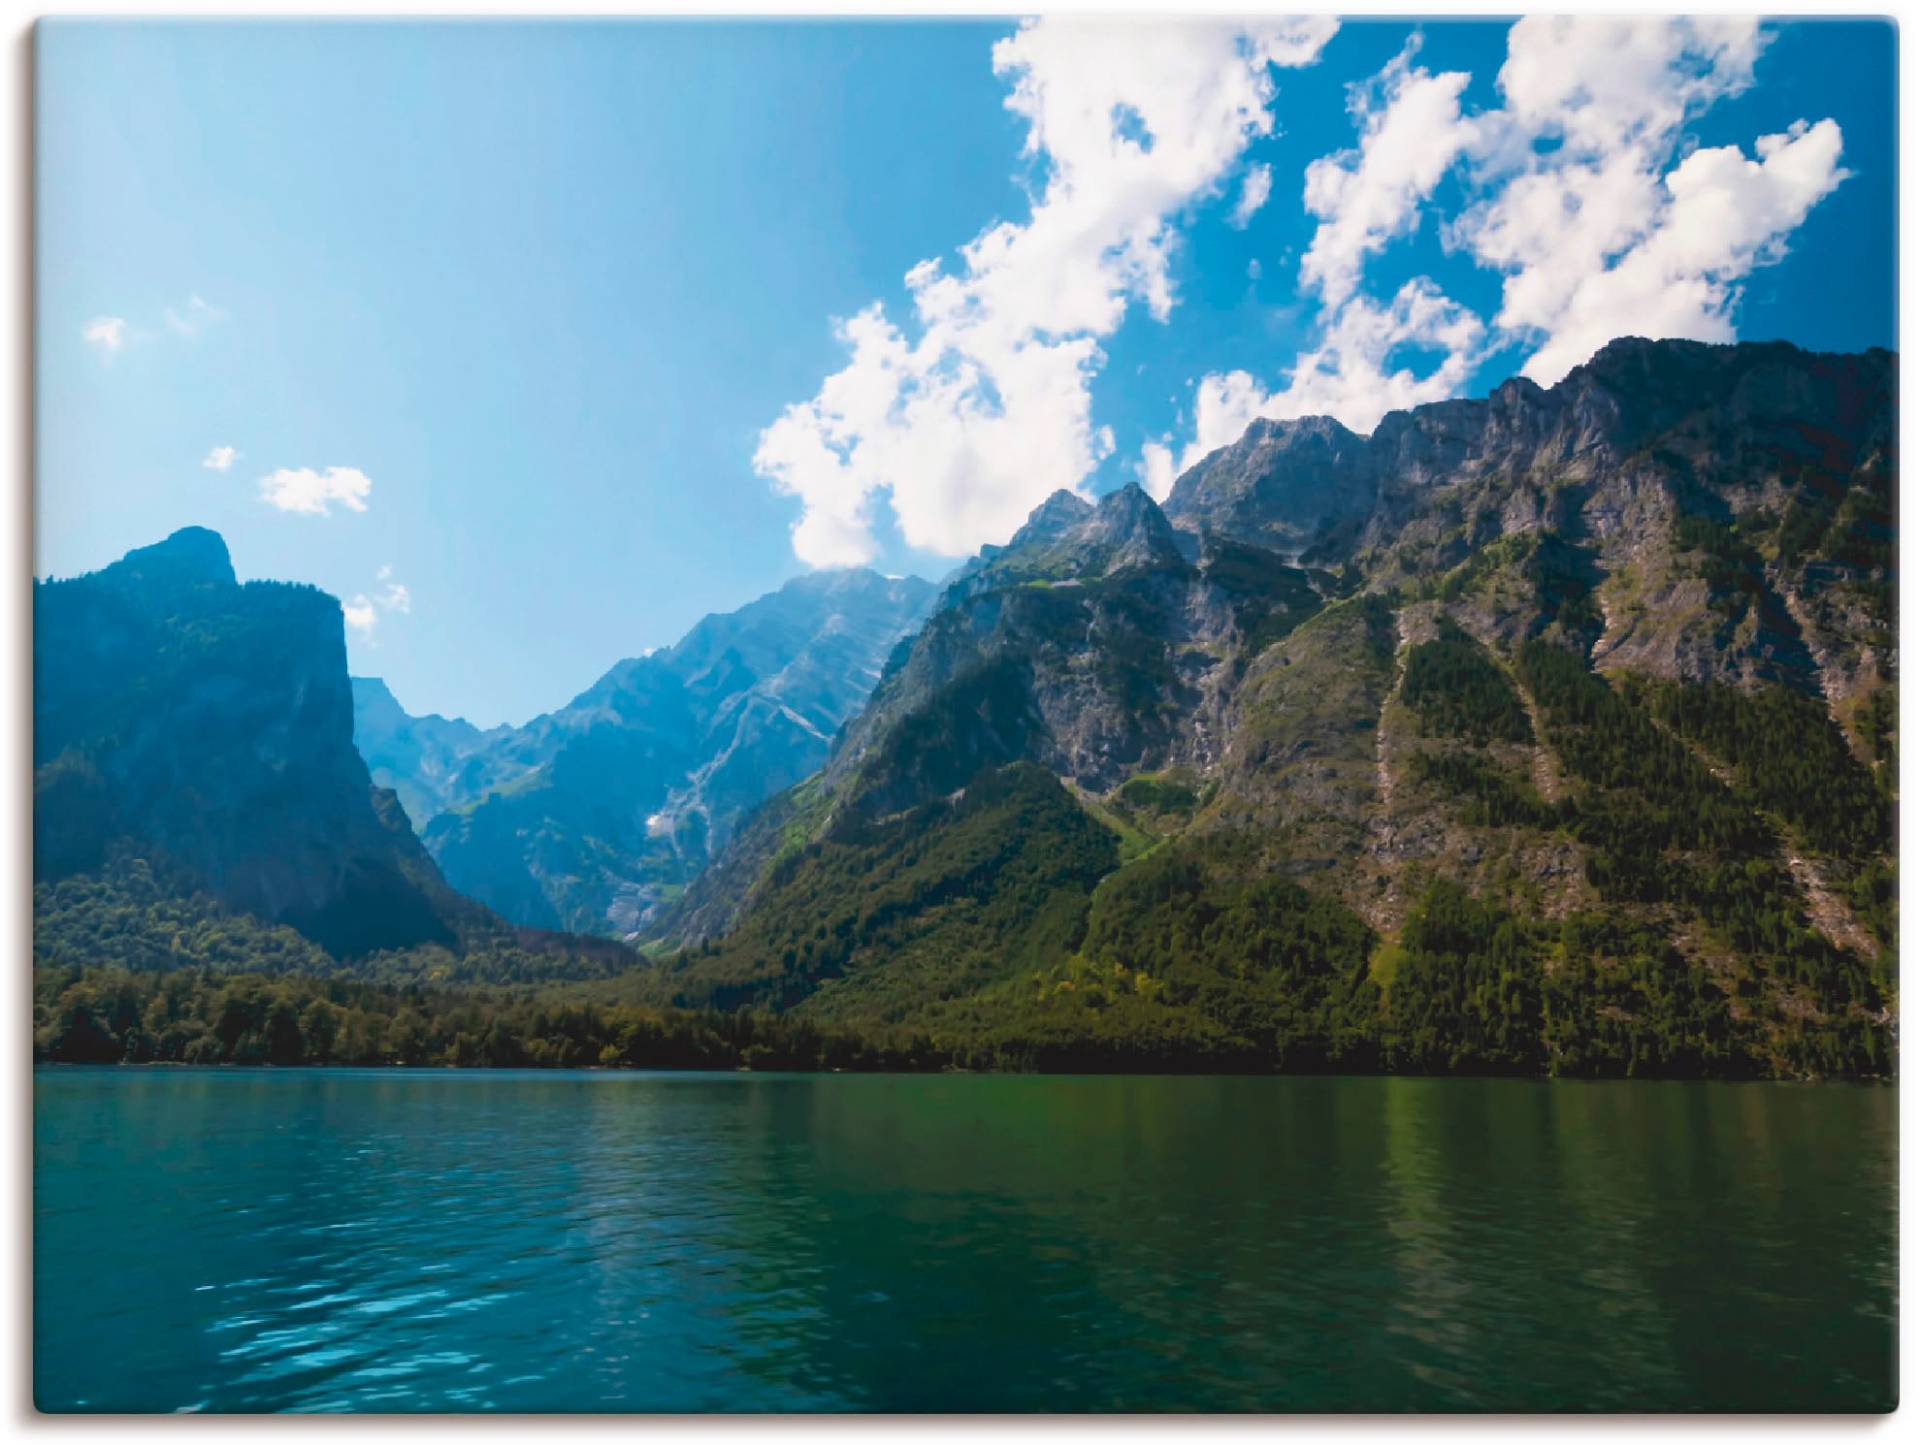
(179, 1065)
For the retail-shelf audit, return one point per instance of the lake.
(444, 1240)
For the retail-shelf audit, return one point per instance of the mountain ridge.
(1551, 732)
(1704, 531)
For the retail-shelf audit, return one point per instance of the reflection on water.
(274, 1240)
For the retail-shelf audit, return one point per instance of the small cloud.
(114, 334)
(1253, 269)
(394, 597)
(360, 614)
(1253, 195)
(363, 612)
(194, 317)
(220, 458)
(302, 489)
(109, 333)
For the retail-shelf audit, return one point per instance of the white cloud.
(109, 333)
(360, 614)
(1580, 191)
(1597, 229)
(114, 334)
(1605, 83)
(363, 612)
(1253, 195)
(1156, 470)
(1357, 373)
(963, 420)
(1718, 215)
(220, 459)
(1411, 132)
(193, 316)
(302, 489)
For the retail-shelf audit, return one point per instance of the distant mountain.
(420, 758)
(1547, 732)
(591, 817)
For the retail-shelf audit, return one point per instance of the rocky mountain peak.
(1282, 483)
(192, 556)
(1127, 531)
(1299, 431)
(1053, 518)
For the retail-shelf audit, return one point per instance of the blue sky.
(523, 338)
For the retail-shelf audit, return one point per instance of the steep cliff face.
(180, 713)
(591, 817)
(1368, 666)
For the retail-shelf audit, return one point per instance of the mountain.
(419, 758)
(199, 802)
(207, 724)
(591, 817)
(1550, 731)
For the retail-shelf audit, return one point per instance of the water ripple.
(596, 1241)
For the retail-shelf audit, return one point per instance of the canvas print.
(1047, 715)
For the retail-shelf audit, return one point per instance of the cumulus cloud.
(1596, 226)
(302, 489)
(1721, 215)
(1411, 132)
(220, 459)
(1253, 195)
(1605, 83)
(965, 417)
(1579, 189)
(109, 333)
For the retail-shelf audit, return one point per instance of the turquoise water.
(395, 1240)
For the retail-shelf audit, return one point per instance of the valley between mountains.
(1546, 733)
